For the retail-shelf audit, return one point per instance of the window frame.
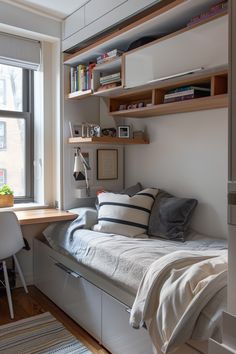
(27, 113)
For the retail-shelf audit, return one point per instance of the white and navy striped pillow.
(125, 215)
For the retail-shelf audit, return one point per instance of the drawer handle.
(127, 309)
(67, 270)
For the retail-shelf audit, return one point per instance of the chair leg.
(20, 273)
(8, 289)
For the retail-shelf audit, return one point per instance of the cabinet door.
(47, 277)
(82, 302)
(117, 335)
(95, 9)
(80, 299)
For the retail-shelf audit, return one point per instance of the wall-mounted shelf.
(79, 94)
(107, 140)
(153, 99)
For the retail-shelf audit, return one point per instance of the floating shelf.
(107, 140)
(79, 94)
(197, 104)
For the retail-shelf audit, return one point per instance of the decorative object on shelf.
(124, 131)
(107, 164)
(141, 41)
(109, 132)
(81, 167)
(6, 196)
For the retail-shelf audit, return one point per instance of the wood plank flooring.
(34, 303)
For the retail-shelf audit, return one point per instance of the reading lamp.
(81, 168)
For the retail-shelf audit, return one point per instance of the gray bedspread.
(121, 259)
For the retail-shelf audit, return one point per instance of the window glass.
(12, 159)
(11, 88)
(2, 135)
(3, 179)
(16, 130)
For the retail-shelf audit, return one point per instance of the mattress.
(121, 259)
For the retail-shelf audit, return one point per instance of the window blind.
(19, 51)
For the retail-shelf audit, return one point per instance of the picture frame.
(107, 164)
(124, 131)
(75, 130)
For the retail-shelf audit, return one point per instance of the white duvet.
(173, 292)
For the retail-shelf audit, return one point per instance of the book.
(184, 97)
(189, 87)
(115, 53)
(212, 11)
(190, 91)
(108, 86)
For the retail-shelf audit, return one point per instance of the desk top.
(39, 216)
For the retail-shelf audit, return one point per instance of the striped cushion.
(125, 215)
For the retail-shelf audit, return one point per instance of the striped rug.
(41, 334)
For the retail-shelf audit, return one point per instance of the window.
(2, 135)
(16, 130)
(3, 177)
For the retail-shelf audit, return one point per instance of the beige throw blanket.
(173, 292)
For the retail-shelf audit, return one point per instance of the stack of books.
(113, 54)
(81, 77)
(212, 11)
(186, 93)
(110, 81)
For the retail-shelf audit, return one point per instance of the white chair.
(11, 241)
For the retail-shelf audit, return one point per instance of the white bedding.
(174, 291)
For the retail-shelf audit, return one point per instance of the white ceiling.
(56, 8)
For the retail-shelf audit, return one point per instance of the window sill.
(25, 206)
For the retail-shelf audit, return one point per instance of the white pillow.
(125, 215)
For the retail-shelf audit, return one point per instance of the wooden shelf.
(197, 104)
(79, 94)
(110, 92)
(107, 140)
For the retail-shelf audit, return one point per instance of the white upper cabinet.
(95, 9)
(204, 46)
(96, 16)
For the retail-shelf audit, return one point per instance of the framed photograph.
(107, 164)
(123, 131)
(75, 130)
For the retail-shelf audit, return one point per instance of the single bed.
(116, 264)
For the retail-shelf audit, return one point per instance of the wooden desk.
(39, 216)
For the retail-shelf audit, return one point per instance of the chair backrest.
(11, 239)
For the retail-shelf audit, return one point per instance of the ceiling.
(56, 8)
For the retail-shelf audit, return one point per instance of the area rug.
(41, 334)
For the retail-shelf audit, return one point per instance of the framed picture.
(75, 130)
(123, 131)
(107, 164)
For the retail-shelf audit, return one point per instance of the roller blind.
(19, 51)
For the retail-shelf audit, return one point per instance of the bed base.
(98, 306)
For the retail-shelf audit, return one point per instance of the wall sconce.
(81, 168)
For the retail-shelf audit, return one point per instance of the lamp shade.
(78, 173)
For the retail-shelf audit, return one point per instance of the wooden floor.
(34, 303)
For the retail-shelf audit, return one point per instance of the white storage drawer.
(80, 299)
(82, 302)
(117, 335)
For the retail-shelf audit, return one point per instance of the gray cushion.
(170, 216)
(133, 189)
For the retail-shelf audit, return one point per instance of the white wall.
(187, 156)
